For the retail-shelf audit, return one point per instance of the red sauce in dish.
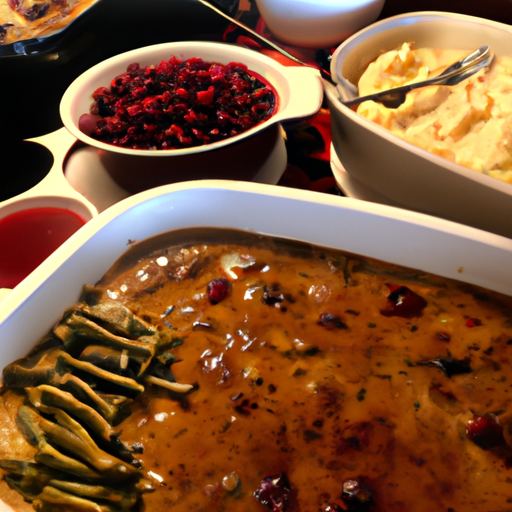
(29, 236)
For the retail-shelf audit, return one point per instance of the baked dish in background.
(21, 20)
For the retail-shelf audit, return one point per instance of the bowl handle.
(305, 93)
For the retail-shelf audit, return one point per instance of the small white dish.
(317, 23)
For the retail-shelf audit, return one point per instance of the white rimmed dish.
(403, 174)
(373, 230)
(390, 234)
(44, 215)
(54, 184)
(299, 89)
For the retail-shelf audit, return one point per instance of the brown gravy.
(321, 368)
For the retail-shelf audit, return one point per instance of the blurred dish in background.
(22, 20)
(317, 23)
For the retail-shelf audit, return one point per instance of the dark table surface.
(31, 85)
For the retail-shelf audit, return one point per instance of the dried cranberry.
(330, 321)
(209, 102)
(132, 68)
(403, 302)
(356, 495)
(485, 431)
(272, 296)
(103, 108)
(274, 492)
(205, 97)
(218, 289)
(473, 322)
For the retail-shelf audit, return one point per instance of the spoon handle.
(475, 58)
(255, 34)
(323, 72)
(452, 75)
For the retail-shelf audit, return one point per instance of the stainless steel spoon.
(454, 74)
(325, 74)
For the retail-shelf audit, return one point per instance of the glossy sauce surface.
(321, 367)
(29, 236)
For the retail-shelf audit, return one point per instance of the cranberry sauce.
(178, 104)
(29, 236)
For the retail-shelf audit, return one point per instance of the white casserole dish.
(369, 229)
(378, 231)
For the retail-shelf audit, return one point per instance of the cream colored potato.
(470, 123)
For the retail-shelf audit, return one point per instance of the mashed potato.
(470, 123)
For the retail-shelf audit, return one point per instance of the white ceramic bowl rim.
(54, 189)
(411, 18)
(387, 24)
(299, 88)
(27, 202)
(403, 237)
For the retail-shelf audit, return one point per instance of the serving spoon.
(452, 75)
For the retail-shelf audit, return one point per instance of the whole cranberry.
(403, 302)
(485, 431)
(217, 290)
(356, 495)
(274, 492)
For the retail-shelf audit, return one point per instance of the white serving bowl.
(390, 234)
(399, 172)
(317, 23)
(299, 89)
